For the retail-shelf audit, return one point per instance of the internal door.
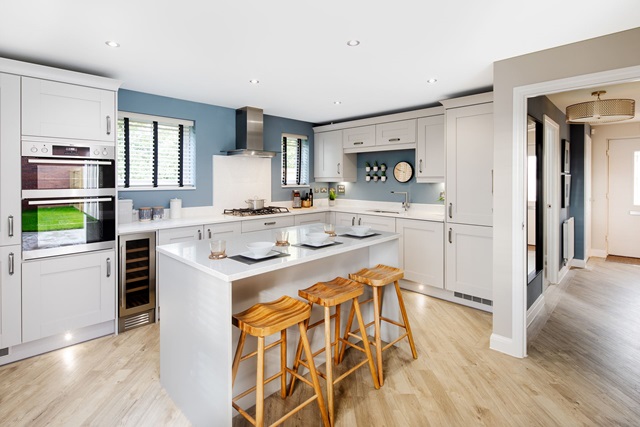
(624, 197)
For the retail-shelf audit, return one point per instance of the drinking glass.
(330, 229)
(218, 249)
(282, 238)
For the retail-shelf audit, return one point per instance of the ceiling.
(207, 51)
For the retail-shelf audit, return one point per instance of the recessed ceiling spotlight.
(337, 102)
(353, 42)
(111, 43)
(432, 80)
(254, 81)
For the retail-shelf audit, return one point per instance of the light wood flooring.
(583, 369)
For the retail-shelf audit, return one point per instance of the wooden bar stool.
(268, 318)
(379, 277)
(332, 294)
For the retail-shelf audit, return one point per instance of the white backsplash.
(237, 178)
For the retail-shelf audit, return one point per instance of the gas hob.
(267, 210)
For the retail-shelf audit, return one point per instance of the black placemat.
(247, 260)
(305, 246)
(352, 236)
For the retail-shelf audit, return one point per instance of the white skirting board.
(535, 309)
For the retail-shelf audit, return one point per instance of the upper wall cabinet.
(330, 163)
(363, 136)
(61, 110)
(430, 150)
(396, 133)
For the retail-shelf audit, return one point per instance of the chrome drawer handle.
(108, 125)
(270, 223)
(450, 210)
(108, 267)
(199, 234)
(420, 165)
(358, 143)
(11, 264)
(450, 235)
(394, 139)
(10, 225)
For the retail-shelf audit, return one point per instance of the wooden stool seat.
(264, 319)
(332, 294)
(378, 277)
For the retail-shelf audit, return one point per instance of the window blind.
(295, 160)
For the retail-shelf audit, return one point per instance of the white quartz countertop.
(372, 208)
(196, 253)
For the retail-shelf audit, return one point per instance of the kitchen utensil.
(360, 230)
(218, 249)
(317, 238)
(259, 249)
(282, 238)
(144, 214)
(255, 203)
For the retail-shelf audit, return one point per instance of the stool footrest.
(393, 322)
(300, 377)
(250, 355)
(347, 373)
(243, 413)
(252, 389)
(294, 410)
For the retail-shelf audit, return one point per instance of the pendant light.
(601, 110)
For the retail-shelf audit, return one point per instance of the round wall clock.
(403, 172)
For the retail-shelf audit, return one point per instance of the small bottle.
(311, 197)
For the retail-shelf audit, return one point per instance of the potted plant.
(367, 166)
(375, 177)
(383, 167)
(332, 197)
(383, 175)
(375, 166)
(367, 178)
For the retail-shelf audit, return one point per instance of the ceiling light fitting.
(254, 81)
(337, 102)
(601, 110)
(432, 80)
(111, 43)
(353, 43)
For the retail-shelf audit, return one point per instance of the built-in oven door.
(56, 226)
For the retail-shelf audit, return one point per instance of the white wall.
(600, 177)
(562, 68)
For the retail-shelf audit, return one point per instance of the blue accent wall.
(578, 138)
(381, 191)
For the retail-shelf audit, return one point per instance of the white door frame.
(519, 137)
(588, 198)
(551, 177)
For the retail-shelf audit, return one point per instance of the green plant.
(332, 194)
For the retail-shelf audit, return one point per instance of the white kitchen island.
(198, 296)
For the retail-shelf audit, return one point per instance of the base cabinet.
(222, 230)
(178, 235)
(66, 293)
(382, 223)
(469, 260)
(422, 251)
(10, 296)
(311, 218)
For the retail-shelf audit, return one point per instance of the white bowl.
(360, 230)
(317, 238)
(260, 248)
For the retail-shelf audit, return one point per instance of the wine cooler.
(137, 287)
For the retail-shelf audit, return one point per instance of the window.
(295, 160)
(155, 152)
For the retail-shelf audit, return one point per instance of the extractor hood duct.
(249, 138)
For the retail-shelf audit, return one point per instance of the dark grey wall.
(578, 138)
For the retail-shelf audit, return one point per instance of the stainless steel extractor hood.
(249, 139)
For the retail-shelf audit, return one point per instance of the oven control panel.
(68, 151)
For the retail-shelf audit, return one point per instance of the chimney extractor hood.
(249, 139)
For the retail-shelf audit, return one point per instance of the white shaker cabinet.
(469, 252)
(310, 218)
(10, 194)
(430, 150)
(10, 296)
(395, 133)
(222, 230)
(382, 223)
(63, 294)
(267, 223)
(181, 234)
(62, 110)
(362, 136)
(469, 183)
(422, 251)
(330, 163)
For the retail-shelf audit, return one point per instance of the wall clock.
(403, 172)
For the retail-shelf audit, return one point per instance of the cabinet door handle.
(420, 166)
(199, 234)
(338, 168)
(270, 223)
(353, 221)
(394, 139)
(108, 267)
(108, 125)
(359, 221)
(209, 230)
(450, 235)
(491, 181)
(450, 210)
(12, 266)
(358, 143)
(10, 225)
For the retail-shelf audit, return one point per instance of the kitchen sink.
(383, 211)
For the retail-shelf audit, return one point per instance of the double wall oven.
(68, 198)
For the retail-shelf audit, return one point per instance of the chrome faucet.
(405, 204)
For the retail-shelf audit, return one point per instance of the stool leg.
(329, 364)
(283, 363)
(296, 364)
(260, 384)
(313, 372)
(405, 319)
(336, 334)
(365, 343)
(346, 334)
(376, 323)
(237, 357)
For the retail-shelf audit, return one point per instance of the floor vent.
(474, 299)
(136, 320)
(4, 351)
